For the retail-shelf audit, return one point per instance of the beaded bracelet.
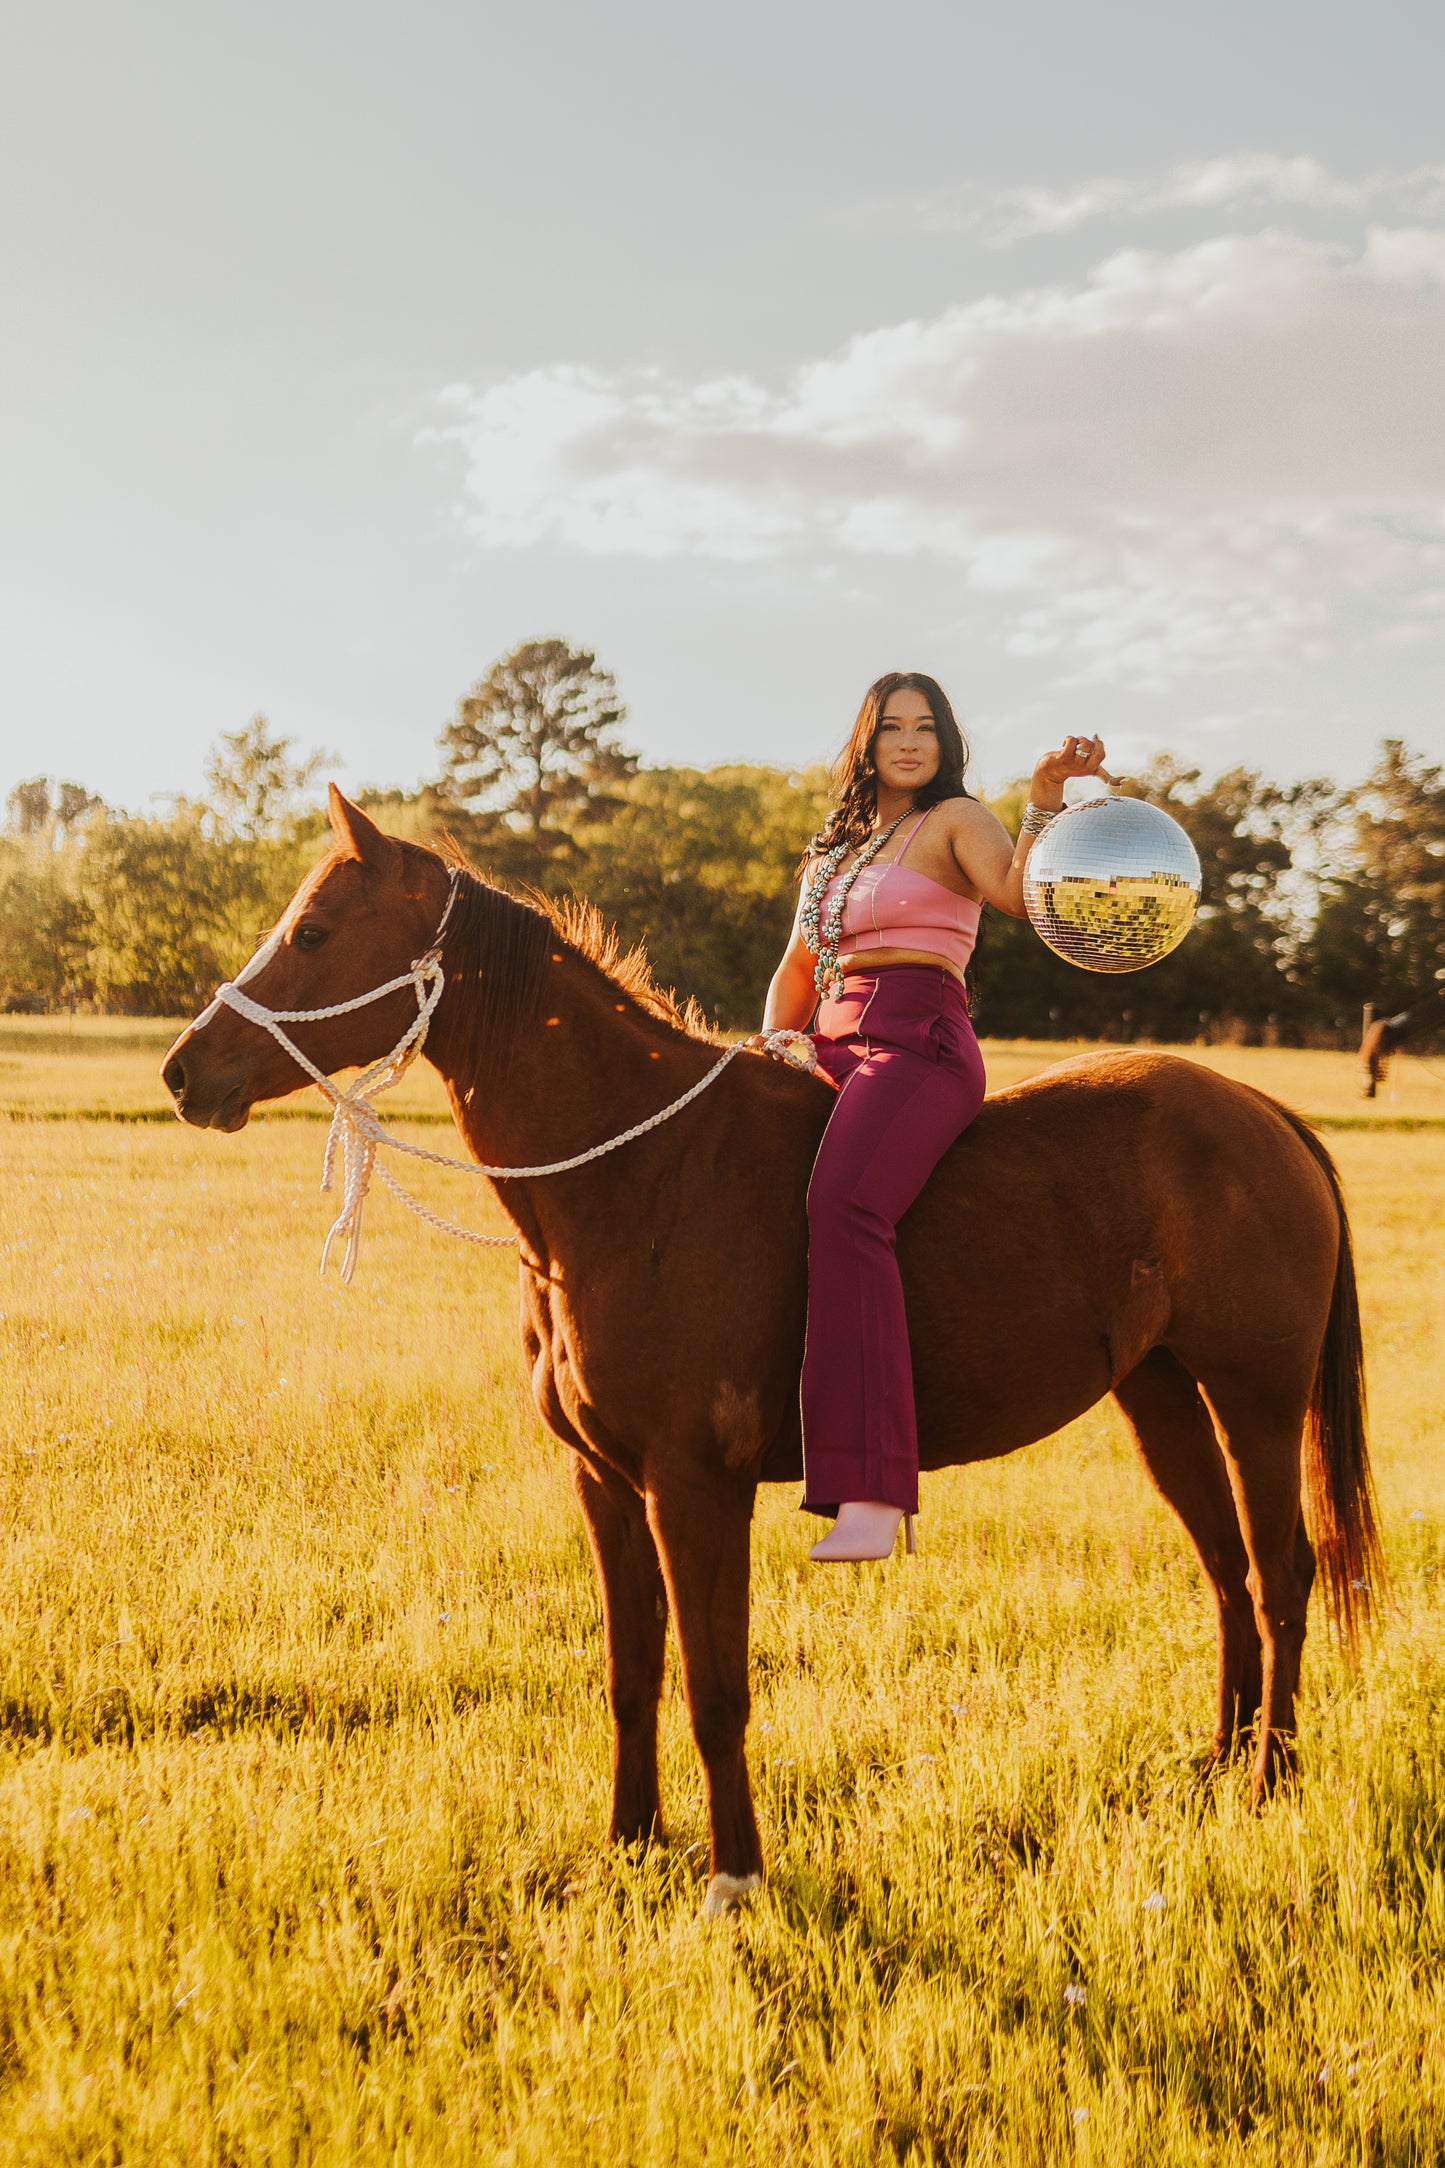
(1035, 820)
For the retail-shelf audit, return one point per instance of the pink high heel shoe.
(862, 1531)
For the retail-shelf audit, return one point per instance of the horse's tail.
(1339, 1492)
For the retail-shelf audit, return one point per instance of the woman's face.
(906, 751)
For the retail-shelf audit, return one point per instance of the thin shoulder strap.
(907, 842)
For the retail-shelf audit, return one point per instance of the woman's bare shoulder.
(967, 816)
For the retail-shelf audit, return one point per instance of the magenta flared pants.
(899, 1042)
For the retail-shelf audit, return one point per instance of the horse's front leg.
(702, 1520)
(634, 1608)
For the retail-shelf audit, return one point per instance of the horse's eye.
(309, 937)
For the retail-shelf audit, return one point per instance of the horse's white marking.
(260, 960)
(243, 977)
(728, 1893)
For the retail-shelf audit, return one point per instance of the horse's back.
(1110, 1204)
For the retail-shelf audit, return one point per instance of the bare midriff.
(875, 959)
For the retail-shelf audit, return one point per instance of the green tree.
(534, 742)
(74, 804)
(45, 932)
(700, 865)
(1379, 933)
(39, 811)
(173, 910)
(253, 782)
(28, 811)
(1256, 842)
(1235, 965)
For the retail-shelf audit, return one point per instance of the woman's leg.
(900, 1110)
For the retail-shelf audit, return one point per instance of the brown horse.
(1124, 1223)
(1385, 1035)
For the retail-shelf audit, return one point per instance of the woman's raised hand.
(1076, 756)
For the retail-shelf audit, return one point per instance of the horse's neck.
(587, 1067)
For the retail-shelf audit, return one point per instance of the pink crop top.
(890, 907)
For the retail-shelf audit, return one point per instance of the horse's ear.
(356, 836)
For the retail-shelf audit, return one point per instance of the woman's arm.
(792, 996)
(983, 850)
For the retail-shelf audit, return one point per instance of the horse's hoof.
(729, 1893)
(1227, 1751)
(1275, 1779)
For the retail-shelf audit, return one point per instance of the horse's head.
(360, 918)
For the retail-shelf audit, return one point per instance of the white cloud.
(1188, 462)
(1227, 183)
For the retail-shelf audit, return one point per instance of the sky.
(1092, 359)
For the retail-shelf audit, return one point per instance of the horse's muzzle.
(205, 1101)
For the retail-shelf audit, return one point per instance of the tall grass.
(304, 1754)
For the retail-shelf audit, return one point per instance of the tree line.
(1316, 898)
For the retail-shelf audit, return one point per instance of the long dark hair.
(855, 777)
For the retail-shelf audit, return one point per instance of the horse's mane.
(583, 928)
(500, 946)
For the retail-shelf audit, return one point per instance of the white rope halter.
(357, 1130)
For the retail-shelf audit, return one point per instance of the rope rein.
(357, 1130)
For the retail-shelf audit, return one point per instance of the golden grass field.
(305, 1750)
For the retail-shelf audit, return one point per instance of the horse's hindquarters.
(1119, 1203)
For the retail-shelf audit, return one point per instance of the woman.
(885, 944)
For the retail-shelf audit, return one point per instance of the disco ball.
(1112, 884)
